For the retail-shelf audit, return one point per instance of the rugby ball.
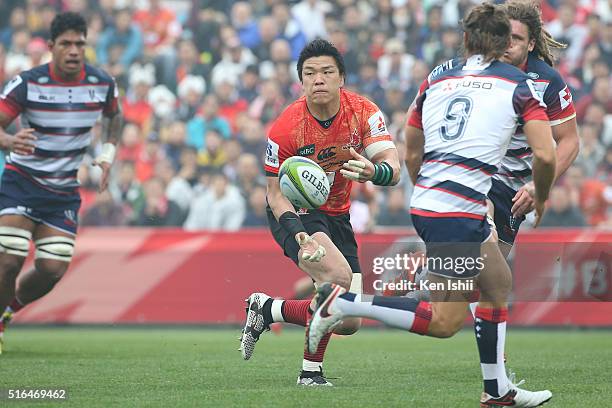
(303, 182)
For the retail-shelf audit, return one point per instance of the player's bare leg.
(15, 235)
(54, 250)
(262, 310)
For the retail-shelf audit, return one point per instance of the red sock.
(296, 311)
(16, 305)
(320, 353)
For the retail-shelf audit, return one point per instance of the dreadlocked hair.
(528, 13)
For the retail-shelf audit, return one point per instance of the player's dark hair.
(68, 21)
(529, 14)
(487, 30)
(318, 48)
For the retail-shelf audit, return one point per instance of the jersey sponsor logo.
(326, 154)
(377, 125)
(540, 88)
(42, 97)
(272, 154)
(306, 150)
(70, 216)
(439, 69)
(43, 80)
(13, 83)
(93, 79)
(533, 75)
(565, 97)
(534, 92)
(354, 142)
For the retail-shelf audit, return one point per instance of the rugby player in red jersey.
(347, 136)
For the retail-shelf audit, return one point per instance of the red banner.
(172, 276)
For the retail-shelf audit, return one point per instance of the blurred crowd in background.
(202, 80)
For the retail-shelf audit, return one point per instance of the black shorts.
(507, 226)
(453, 244)
(337, 227)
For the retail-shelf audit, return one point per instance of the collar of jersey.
(58, 79)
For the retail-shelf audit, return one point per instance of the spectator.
(369, 84)
(561, 212)
(17, 21)
(104, 212)
(187, 64)
(213, 154)
(310, 15)
(151, 153)
(248, 174)
(220, 207)
(230, 104)
(395, 213)
(159, 28)
(158, 210)
(178, 189)
(256, 215)
(127, 190)
(289, 28)
(245, 25)
(209, 118)
(253, 137)
(269, 104)
(599, 94)
(132, 143)
(267, 32)
(431, 35)
(120, 45)
(235, 60)
(566, 30)
(136, 106)
(191, 91)
(395, 65)
(247, 88)
(591, 150)
(174, 139)
(189, 166)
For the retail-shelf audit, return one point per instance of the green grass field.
(158, 367)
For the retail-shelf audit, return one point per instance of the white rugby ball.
(303, 182)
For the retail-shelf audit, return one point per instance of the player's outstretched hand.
(23, 142)
(523, 201)
(358, 169)
(105, 166)
(539, 210)
(311, 250)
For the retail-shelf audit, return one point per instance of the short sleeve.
(559, 103)
(416, 114)
(375, 133)
(14, 96)
(278, 148)
(527, 104)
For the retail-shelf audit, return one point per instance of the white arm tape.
(377, 147)
(108, 153)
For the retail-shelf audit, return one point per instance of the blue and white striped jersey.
(515, 168)
(468, 111)
(62, 115)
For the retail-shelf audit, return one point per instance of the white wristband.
(108, 153)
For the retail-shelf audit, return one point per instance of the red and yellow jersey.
(359, 124)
